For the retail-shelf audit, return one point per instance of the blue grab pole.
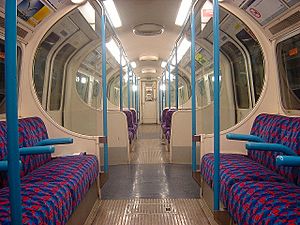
(177, 74)
(193, 79)
(104, 92)
(136, 96)
(165, 90)
(216, 105)
(138, 100)
(132, 92)
(169, 85)
(12, 111)
(121, 82)
(159, 100)
(128, 88)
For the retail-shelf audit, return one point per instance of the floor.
(150, 190)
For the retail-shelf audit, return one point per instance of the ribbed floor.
(151, 212)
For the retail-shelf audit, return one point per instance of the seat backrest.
(129, 118)
(31, 131)
(134, 117)
(281, 130)
(163, 115)
(169, 117)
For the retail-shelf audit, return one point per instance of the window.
(58, 75)
(40, 63)
(82, 86)
(256, 57)
(240, 74)
(289, 71)
(2, 74)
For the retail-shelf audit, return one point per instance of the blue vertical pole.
(128, 88)
(177, 74)
(132, 92)
(103, 33)
(159, 100)
(121, 82)
(138, 100)
(169, 85)
(165, 90)
(193, 78)
(136, 92)
(12, 111)
(216, 105)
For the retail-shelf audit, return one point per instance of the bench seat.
(265, 203)
(236, 168)
(42, 203)
(78, 173)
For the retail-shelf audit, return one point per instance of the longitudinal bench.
(254, 189)
(51, 188)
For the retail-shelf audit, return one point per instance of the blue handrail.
(169, 84)
(177, 74)
(121, 81)
(244, 137)
(270, 147)
(37, 150)
(12, 111)
(288, 160)
(216, 105)
(103, 37)
(193, 80)
(55, 141)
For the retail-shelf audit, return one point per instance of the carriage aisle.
(150, 190)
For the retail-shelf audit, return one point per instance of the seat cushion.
(236, 168)
(43, 203)
(265, 203)
(78, 173)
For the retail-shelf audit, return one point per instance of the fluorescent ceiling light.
(182, 49)
(148, 70)
(162, 87)
(133, 65)
(148, 58)
(163, 64)
(89, 13)
(113, 13)
(115, 51)
(183, 11)
(83, 80)
(134, 88)
(78, 1)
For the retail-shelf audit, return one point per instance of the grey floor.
(150, 175)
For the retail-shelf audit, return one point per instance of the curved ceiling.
(134, 12)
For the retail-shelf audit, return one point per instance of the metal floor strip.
(151, 212)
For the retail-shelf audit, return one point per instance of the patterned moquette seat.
(238, 168)
(264, 203)
(51, 188)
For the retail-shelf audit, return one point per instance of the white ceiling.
(134, 12)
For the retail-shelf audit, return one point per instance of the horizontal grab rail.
(37, 150)
(244, 137)
(287, 160)
(270, 147)
(55, 141)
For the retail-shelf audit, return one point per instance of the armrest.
(270, 147)
(4, 165)
(55, 141)
(37, 150)
(287, 160)
(244, 137)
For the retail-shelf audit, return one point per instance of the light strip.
(182, 49)
(115, 51)
(163, 64)
(89, 13)
(113, 13)
(183, 11)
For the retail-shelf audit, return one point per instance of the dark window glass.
(288, 53)
(240, 74)
(2, 74)
(256, 57)
(58, 75)
(40, 63)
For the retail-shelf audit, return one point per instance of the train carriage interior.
(139, 112)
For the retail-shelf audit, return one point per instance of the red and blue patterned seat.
(265, 203)
(52, 188)
(257, 166)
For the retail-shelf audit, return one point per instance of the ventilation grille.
(20, 31)
(294, 18)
